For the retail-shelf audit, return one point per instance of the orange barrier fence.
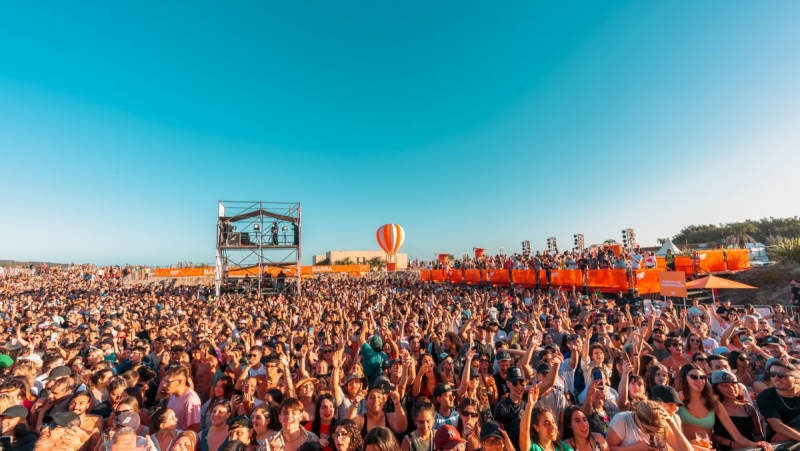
(608, 280)
(271, 270)
(185, 272)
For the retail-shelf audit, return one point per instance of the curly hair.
(351, 429)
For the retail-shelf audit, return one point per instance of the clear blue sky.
(469, 123)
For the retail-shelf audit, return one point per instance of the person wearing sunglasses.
(469, 422)
(702, 409)
(744, 416)
(780, 404)
(508, 412)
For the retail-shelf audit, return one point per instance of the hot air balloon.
(390, 237)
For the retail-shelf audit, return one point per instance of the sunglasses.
(778, 375)
(515, 383)
(697, 377)
(742, 358)
(327, 351)
(469, 414)
(700, 359)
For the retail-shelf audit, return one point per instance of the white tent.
(668, 245)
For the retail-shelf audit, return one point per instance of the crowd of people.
(94, 363)
(594, 257)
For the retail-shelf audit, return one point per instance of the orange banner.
(438, 275)
(673, 283)
(185, 272)
(647, 281)
(425, 275)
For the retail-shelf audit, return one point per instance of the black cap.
(65, 419)
(503, 355)
(515, 374)
(773, 340)
(543, 368)
(474, 373)
(665, 393)
(242, 421)
(491, 429)
(442, 389)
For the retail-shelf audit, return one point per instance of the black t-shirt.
(500, 382)
(773, 405)
(509, 414)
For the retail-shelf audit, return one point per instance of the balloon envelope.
(390, 237)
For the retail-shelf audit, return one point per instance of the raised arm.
(525, 421)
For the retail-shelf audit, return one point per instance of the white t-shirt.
(625, 427)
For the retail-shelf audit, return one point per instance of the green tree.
(377, 263)
(739, 234)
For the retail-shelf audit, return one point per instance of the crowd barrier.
(645, 281)
(354, 270)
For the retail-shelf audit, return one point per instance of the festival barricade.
(647, 281)
(456, 276)
(608, 279)
(498, 277)
(738, 259)
(438, 275)
(425, 275)
(473, 276)
(524, 277)
(566, 277)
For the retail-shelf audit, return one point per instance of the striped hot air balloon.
(390, 238)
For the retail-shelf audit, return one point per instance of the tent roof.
(716, 282)
(668, 245)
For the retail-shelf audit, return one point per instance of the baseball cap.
(65, 419)
(58, 372)
(515, 374)
(242, 421)
(722, 376)
(665, 393)
(357, 377)
(770, 340)
(383, 383)
(503, 355)
(447, 437)
(491, 429)
(441, 389)
(15, 412)
(376, 342)
(128, 419)
(543, 368)
(6, 361)
(474, 373)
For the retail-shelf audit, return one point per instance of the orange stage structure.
(644, 281)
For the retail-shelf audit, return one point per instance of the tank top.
(743, 424)
(706, 422)
(417, 444)
(364, 427)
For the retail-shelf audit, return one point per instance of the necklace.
(784, 402)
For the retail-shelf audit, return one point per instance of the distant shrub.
(786, 250)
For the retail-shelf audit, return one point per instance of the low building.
(358, 257)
